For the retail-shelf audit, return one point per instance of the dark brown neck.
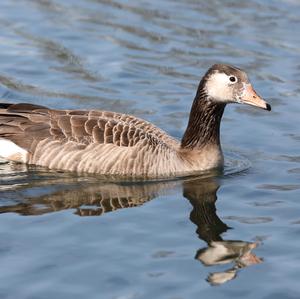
(204, 123)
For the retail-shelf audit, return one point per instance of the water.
(155, 239)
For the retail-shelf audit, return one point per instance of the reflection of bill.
(202, 194)
(99, 197)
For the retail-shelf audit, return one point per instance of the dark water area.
(229, 235)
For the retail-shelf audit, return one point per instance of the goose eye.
(233, 79)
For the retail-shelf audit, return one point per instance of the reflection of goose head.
(202, 194)
(225, 252)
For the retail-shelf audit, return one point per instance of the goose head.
(227, 84)
(222, 84)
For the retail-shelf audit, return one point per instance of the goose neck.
(204, 123)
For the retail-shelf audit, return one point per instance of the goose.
(111, 143)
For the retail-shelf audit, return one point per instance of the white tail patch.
(11, 151)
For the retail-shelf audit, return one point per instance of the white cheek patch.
(11, 151)
(217, 87)
(215, 254)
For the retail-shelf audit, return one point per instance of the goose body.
(112, 143)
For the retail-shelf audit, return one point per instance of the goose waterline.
(111, 143)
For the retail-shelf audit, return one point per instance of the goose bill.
(250, 97)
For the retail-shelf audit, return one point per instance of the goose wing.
(26, 125)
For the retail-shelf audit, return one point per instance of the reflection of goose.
(202, 195)
(98, 198)
(117, 144)
(90, 199)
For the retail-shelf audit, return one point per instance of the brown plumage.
(118, 144)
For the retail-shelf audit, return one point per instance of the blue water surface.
(231, 235)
